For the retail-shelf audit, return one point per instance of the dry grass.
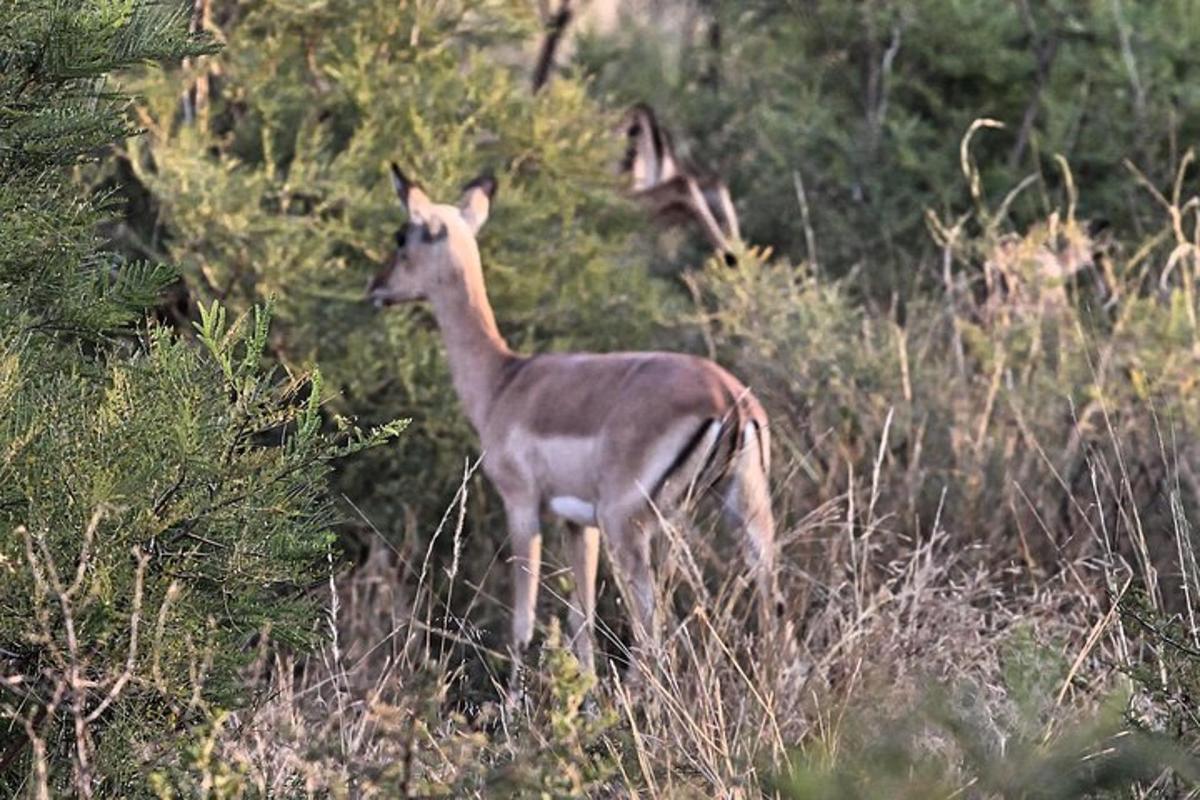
(405, 699)
(986, 559)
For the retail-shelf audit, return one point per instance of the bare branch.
(135, 616)
(550, 44)
(85, 550)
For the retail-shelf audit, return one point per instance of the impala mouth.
(381, 300)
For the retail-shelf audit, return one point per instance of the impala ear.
(412, 197)
(476, 201)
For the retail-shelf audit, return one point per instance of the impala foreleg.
(526, 563)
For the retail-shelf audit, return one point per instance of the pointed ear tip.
(486, 183)
(641, 107)
(398, 175)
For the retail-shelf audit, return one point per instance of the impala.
(674, 191)
(603, 441)
(1028, 275)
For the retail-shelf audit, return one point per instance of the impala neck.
(475, 349)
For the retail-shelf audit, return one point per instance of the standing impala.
(600, 440)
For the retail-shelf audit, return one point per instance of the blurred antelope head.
(1029, 274)
(676, 193)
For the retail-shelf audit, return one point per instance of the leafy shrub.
(161, 500)
(1092, 758)
(283, 193)
(866, 102)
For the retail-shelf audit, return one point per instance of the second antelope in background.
(1027, 275)
(602, 441)
(677, 193)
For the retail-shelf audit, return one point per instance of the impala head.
(649, 151)
(677, 191)
(437, 245)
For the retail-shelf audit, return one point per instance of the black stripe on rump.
(762, 450)
(686, 453)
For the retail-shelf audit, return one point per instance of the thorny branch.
(71, 682)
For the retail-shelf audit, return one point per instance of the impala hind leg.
(629, 544)
(526, 564)
(585, 557)
(747, 504)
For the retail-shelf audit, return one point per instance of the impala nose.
(375, 294)
(379, 298)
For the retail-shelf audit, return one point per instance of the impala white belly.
(567, 476)
(562, 466)
(573, 509)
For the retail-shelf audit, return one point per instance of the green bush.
(283, 193)
(162, 500)
(867, 102)
(941, 750)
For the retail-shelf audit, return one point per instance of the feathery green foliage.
(162, 500)
(281, 190)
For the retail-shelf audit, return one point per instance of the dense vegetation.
(163, 499)
(978, 346)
